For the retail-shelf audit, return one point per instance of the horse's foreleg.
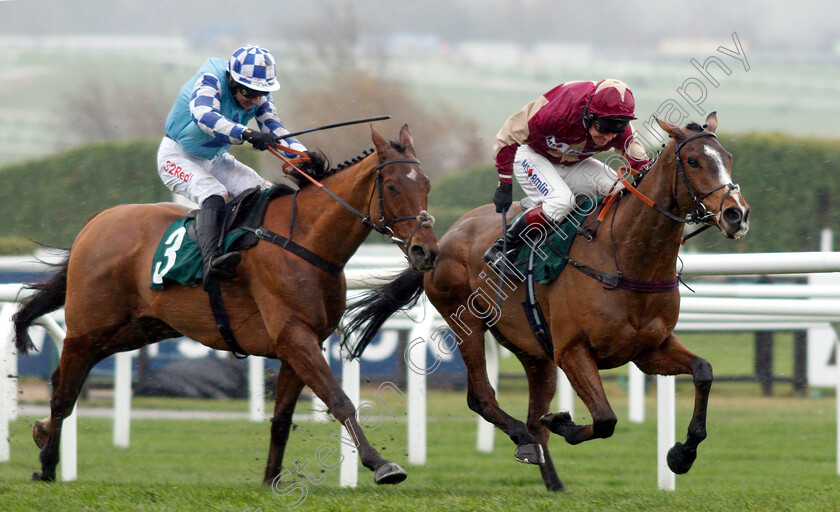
(542, 383)
(673, 358)
(482, 399)
(578, 362)
(298, 345)
(289, 386)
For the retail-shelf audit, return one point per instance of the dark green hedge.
(49, 200)
(792, 185)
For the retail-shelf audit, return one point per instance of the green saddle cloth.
(547, 261)
(178, 258)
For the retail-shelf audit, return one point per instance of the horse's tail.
(48, 296)
(372, 309)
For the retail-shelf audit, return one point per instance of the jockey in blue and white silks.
(211, 113)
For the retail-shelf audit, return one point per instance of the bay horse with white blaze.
(593, 324)
(279, 305)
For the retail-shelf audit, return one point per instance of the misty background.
(78, 72)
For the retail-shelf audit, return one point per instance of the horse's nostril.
(732, 215)
(418, 251)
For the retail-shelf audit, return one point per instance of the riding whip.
(334, 125)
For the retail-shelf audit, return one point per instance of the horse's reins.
(423, 218)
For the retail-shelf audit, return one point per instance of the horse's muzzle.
(422, 258)
(734, 221)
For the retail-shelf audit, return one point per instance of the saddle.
(552, 251)
(178, 258)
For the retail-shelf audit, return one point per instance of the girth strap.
(296, 249)
(217, 306)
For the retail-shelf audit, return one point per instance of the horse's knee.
(604, 428)
(701, 371)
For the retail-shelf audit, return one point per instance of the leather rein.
(424, 219)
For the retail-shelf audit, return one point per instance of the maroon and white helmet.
(612, 105)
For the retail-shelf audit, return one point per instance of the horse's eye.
(390, 188)
(693, 162)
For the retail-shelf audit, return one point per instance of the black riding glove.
(259, 140)
(503, 197)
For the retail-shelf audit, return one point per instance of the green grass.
(761, 454)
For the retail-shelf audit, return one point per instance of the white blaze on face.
(412, 175)
(725, 179)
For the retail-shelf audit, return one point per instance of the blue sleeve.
(205, 109)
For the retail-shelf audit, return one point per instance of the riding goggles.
(610, 124)
(249, 93)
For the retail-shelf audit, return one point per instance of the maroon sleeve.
(504, 163)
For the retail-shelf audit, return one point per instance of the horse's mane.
(694, 126)
(326, 171)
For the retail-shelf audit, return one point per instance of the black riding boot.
(208, 230)
(514, 240)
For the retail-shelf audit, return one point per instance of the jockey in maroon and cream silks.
(548, 146)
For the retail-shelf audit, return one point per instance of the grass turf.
(761, 454)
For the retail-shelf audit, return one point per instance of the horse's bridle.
(701, 214)
(424, 220)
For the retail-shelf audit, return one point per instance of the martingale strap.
(296, 249)
(618, 280)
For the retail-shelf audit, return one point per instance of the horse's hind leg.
(76, 361)
(542, 382)
(79, 354)
(289, 386)
(578, 362)
(673, 358)
(482, 399)
(299, 347)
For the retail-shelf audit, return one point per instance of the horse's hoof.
(40, 434)
(557, 421)
(530, 454)
(41, 477)
(389, 473)
(680, 458)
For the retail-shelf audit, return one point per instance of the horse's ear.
(406, 139)
(379, 142)
(711, 122)
(671, 129)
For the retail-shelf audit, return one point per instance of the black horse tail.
(49, 295)
(372, 309)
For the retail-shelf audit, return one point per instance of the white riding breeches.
(557, 187)
(197, 178)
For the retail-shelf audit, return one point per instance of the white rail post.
(320, 411)
(6, 384)
(349, 472)
(256, 387)
(635, 394)
(122, 399)
(665, 429)
(565, 394)
(416, 382)
(486, 430)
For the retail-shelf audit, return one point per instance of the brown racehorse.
(593, 326)
(279, 305)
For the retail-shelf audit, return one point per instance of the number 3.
(173, 243)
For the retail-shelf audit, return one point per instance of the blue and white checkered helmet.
(253, 67)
